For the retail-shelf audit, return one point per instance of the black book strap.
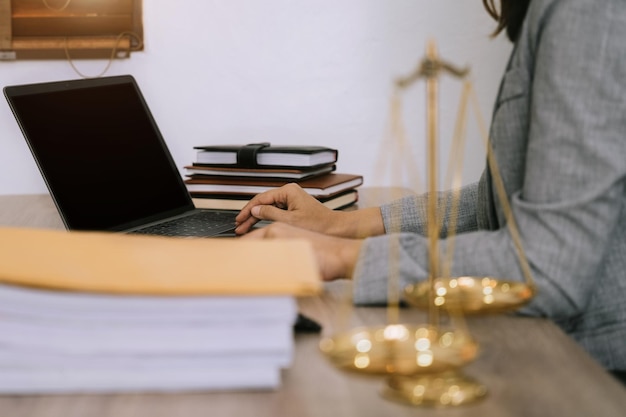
(246, 155)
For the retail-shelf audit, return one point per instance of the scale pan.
(471, 295)
(399, 349)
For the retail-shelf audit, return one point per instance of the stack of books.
(102, 312)
(228, 176)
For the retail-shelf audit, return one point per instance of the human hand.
(288, 204)
(336, 257)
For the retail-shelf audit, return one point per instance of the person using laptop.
(558, 133)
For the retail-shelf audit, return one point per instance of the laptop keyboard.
(201, 223)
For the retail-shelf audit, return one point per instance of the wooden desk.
(528, 365)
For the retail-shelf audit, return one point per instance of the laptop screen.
(100, 152)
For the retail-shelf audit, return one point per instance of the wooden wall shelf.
(82, 29)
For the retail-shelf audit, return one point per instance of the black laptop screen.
(101, 154)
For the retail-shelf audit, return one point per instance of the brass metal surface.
(472, 295)
(400, 349)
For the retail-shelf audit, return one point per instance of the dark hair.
(510, 17)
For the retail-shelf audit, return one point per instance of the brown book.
(321, 186)
(237, 202)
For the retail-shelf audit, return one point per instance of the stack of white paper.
(58, 341)
(107, 312)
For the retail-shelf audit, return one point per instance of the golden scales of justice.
(423, 362)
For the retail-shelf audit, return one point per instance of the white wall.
(284, 71)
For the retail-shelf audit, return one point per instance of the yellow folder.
(133, 264)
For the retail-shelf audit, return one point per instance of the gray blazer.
(559, 136)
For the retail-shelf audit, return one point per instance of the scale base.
(446, 389)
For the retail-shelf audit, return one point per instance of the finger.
(256, 234)
(264, 212)
(245, 226)
(244, 213)
(271, 197)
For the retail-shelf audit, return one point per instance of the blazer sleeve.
(409, 213)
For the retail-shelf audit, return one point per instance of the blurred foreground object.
(103, 312)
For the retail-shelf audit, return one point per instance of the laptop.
(105, 161)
